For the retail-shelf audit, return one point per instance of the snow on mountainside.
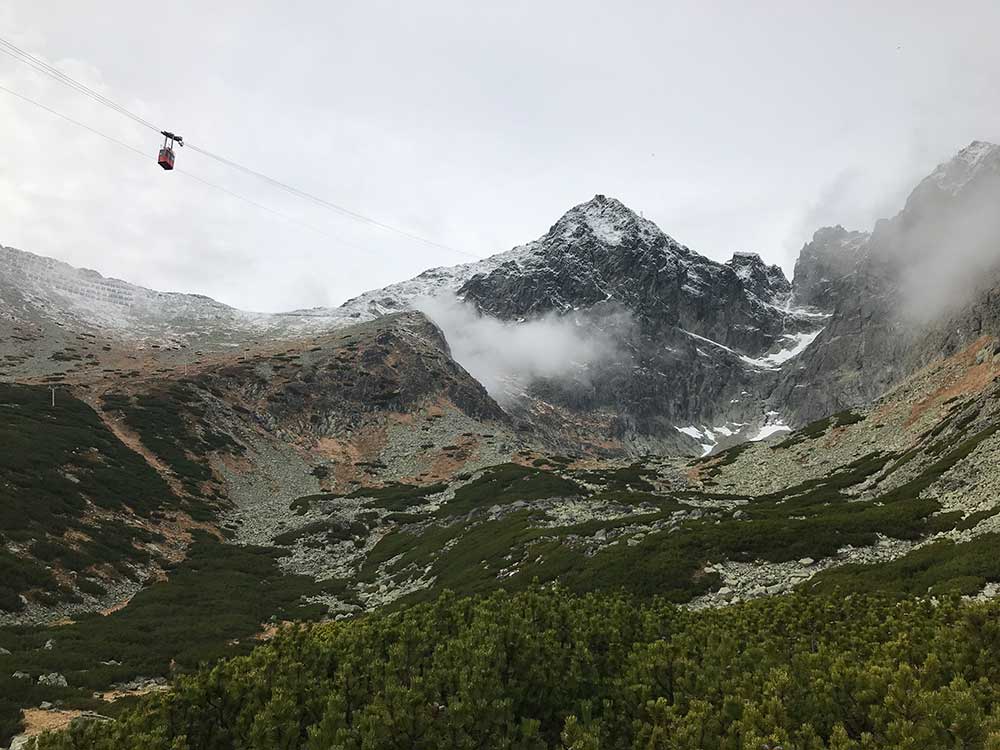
(32, 286)
(616, 274)
(603, 252)
(400, 296)
(767, 282)
(36, 285)
(977, 158)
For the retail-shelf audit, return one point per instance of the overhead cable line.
(324, 203)
(187, 174)
(45, 68)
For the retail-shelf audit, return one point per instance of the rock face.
(768, 283)
(601, 254)
(833, 254)
(343, 380)
(923, 285)
(698, 339)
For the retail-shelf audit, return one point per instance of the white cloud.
(507, 356)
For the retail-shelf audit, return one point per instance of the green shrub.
(545, 669)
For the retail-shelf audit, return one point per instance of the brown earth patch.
(364, 446)
(110, 696)
(131, 440)
(447, 464)
(39, 720)
(968, 379)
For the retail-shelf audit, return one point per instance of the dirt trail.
(131, 440)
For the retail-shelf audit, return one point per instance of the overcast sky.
(733, 125)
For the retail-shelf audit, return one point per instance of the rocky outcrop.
(336, 383)
(768, 283)
(832, 255)
(923, 285)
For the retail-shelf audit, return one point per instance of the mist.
(506, 356)
(946, 250)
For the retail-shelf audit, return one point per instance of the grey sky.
(734, 126)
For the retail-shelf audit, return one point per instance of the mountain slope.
(699, 341)
(693, 338)
(921, 286)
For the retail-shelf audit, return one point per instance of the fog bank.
(506, 356)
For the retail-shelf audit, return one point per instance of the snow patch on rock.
(797, 343)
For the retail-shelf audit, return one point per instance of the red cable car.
(166, 157)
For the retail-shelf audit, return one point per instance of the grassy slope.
(62, 474)
(211, 606)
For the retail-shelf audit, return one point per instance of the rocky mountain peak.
(608, 221)
(949, 220)
(958, 190)
(976, 159)
(767, 282)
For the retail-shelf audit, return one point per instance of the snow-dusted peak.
(607, 220)
(744, 264)
(837, 236)
(977, 158)
(766, 282)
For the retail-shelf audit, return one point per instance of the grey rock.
(885, 324)
(684, 320)
(833, 254)
(52, 679)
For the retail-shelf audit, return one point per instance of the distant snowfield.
(770, 429)
(709, 341)
(708, 437)
(799, 343)
(795, 343)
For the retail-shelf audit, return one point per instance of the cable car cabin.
(166, 159)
